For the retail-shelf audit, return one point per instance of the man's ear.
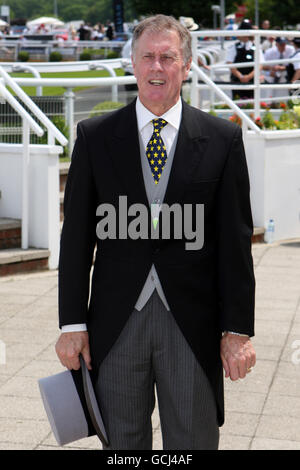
(188, 68)
(133, 64)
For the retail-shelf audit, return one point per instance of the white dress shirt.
(145, 128)
(168, 134)
(274, 54)
(231, 52)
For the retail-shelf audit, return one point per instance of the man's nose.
(156, 64)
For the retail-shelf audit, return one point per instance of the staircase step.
(10, 233)
(63, 174)
(258, 235)
(16, 260)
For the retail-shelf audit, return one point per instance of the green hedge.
(60, 123)
(55, 56)
(87, 54)
(104, 107)
(23, 56)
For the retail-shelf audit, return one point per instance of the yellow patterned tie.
(156, 150)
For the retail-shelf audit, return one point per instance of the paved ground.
(262, 411)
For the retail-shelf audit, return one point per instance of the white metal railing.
(53, 132)
(206, 50)
(110, 70)
(114, 82)
(247, 122)
(70, 47)
(27, 123)
(74, 66)
(70, 83)
(256, 86)
(29, 68)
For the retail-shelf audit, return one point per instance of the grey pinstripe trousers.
(151, 351)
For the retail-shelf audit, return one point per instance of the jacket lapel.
(191, 145)
(125, 153)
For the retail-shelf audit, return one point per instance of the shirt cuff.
(73, 328)
(235, 333)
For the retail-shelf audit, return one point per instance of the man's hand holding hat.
(70, 345)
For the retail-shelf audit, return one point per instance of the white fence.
(10, 48)
(274, 170)
(23, 181)
(257, 86)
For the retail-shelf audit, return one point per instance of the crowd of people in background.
(271, 49)
(98, 32)
(243, 50)
(85, 32)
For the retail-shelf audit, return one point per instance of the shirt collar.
(247, 45)
(172, 116)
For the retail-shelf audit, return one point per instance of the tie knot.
(159, 124)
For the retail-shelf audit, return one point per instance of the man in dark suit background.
(159, 314)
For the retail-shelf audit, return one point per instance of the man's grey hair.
(160, 24)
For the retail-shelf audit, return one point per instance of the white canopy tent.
(45, 20)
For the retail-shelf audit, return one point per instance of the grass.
(57, 91)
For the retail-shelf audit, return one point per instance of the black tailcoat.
(208, 290)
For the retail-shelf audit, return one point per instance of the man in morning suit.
(159, 315)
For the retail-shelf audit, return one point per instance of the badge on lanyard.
(155, 209)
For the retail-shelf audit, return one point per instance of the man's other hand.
(238, 355)
(70, 345)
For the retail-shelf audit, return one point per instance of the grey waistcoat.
(155, 194)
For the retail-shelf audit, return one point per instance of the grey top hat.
(71, 406)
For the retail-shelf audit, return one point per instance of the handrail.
(36, 110)
(20, 110)
(246, 32)
(256, 34)
(207, 53)
(249, 64)
(264, 86)
(28, 68)
(202, 57)
(73, 82)
(68, 66)
(27, 123)
(224, 97)
(213, 50)
(110, 70)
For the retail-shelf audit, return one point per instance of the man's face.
(281, 47)
(159, 69)
(244, 39)
(266, 24)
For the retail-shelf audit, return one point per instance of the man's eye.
(167, 58)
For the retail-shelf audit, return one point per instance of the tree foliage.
(278, 12)
(92, 11)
